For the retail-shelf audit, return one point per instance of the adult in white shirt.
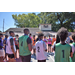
(41, 49)
(67, 40)
(10, 47)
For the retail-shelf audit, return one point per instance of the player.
(45, 40)
(57, 41)
(25, 47)
(40, 49)
(33, 43)
(49, 44)
(62, 50)
(30, 36)
(73, 47)
(16, 43)
(53, 39)
(4, 42)
(10, 47)
(1, 49)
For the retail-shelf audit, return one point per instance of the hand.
(3, 47)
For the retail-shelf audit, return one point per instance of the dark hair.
(25, 30)
(6, 35)
(11, 32)
(33, 35)
(73, 36)
(62, 33)
(44, 36)
(30, 34)
(57, 39)
(17, 35)
(40, 34)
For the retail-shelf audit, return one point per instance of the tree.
(26, 20)
(59, 19)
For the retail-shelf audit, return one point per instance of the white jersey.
(8, 46)
(67, 40)
(73, 48)
(40, 50)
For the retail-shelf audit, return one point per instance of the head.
(6, 36)
(57, 39)
(30, 35)
(40, 36)
(63, 34)
(73, 37)
(1, 35)
(11, 33)
(17, 36)
(26, 31)
(49, 36)
(53, 36)
(44, 37)
(33, 36)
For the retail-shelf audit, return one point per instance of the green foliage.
(57, 19)
(26, 20)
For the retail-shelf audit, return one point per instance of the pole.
(3, 25)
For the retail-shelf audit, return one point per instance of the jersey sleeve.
(29, 40)
(11, 41)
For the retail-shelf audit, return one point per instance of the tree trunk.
(61, 24)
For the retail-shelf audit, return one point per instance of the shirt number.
(38, 48)
(22, 43)
(63, 53)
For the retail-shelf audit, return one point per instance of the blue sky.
(8, 20)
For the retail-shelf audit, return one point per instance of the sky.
(8, 20)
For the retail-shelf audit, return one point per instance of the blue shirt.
(5, 43)
(1, 43)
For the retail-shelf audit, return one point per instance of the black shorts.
(11, 55)
(49, 45)
(17, 47)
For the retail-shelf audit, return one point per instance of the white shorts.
(2, 53)
(34, 47)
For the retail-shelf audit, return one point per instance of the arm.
(29, 44)
(71, 53)
(53, 46)
(45, 47)
(11, 43)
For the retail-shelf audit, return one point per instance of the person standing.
(10, 47)
(1, 49)
(30, 35)
(4, 42)
(45, 40)
(49, 44)
(63, 51)
(41, 49)
(25, 47)
(73, 47)
(33, 43)
(16, 39)
(53, 39)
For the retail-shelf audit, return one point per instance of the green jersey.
(62, 52)
(73, 58)
(23, 46)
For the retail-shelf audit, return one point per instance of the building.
(19, 31)
(46, 29)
